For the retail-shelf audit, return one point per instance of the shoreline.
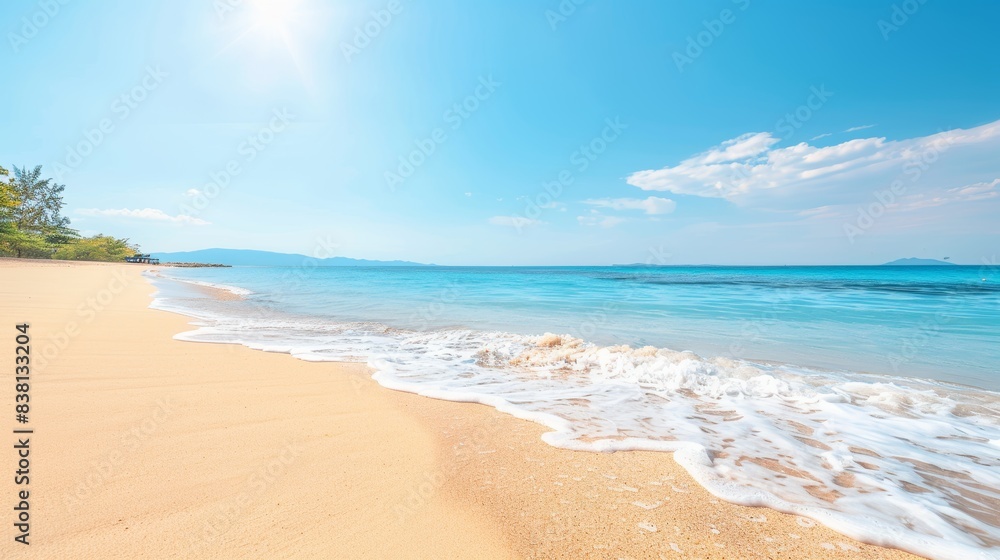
(452, 479)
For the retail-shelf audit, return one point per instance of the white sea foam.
(891, 461)
(236, 290)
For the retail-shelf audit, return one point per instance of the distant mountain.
(247, 257)
(912, 261)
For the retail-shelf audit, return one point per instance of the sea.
(864, 398)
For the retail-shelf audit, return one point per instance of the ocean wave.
(235, 290)
(900, 462)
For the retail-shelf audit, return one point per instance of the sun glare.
(272, 18)
(273, 32)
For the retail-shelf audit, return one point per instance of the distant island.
(913, 261)
(248, 257)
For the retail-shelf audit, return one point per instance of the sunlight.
(273, 32)
(267, 23)
(272, 18)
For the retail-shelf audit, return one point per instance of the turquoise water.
(876, 384)
(934, 322)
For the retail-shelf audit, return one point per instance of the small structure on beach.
(142, 259)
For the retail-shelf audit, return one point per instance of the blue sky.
(727, 131)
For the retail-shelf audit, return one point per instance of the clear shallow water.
(820, 391)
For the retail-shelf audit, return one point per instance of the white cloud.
(599, 221)
(143, 214)
(857, 128)
(596, 219)
(741, 147)
(192, 193)
(513, 221)
(824, 212)
(553, 206)
(468, 194)
(652, 205)
(909, 203)
(967, 193)
(749, 165)
(824, 135)
(977, 191)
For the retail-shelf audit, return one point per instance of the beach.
(146, 446)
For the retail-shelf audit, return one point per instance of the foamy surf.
(905, 463)
(235, 290)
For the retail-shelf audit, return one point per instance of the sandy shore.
(147, 447)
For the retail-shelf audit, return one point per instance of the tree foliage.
(9, 235)
(39, 201)
(32, 224)
(7, 198)
(96, 248)
(32, 220)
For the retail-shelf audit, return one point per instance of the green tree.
(96, 248)
(8, 201)
(33, 225)
(7, 198)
